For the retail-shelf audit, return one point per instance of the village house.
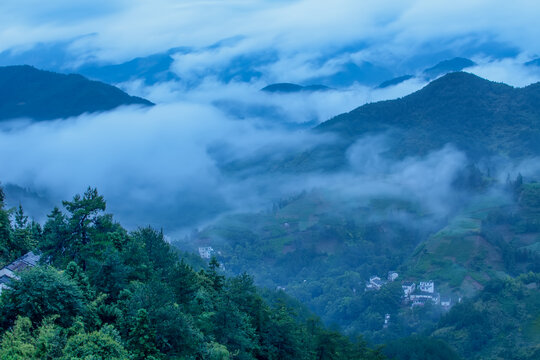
(392, 275)
(408, 287)
(386, 321)
(427, 286)
(9, 273)
(375, 283)
(422, 297)
(206, 252)
(446, 302)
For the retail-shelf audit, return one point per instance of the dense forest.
(101, 292)
(322, 249)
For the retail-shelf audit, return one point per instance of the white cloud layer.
(164, 162)
(299, 31)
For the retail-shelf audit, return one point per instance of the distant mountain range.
(443, 67)
(26, 92)
(152, 69)
(293, 88)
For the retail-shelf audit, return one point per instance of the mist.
(170, 165)
(164, 165)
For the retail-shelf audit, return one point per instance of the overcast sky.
(161, 160)
(302, 35)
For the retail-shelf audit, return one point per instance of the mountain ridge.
(27, 92)
(480, 117)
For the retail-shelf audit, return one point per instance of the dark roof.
(29, 259)
(18, 265)
(4, 279)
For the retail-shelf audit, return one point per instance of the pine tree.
(142, 338)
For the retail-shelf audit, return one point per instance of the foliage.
(420, 348)
(42, 292)
(111, 294)
(500, 322)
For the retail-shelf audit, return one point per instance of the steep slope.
(42, 95)
(478, 116)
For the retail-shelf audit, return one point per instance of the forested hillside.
(323, 249)
(101, 292)
(477, 116)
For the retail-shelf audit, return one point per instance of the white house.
(386, 320)
(392, 275)
(446, 302)
(427, 286)
(206, 252)
(420, 296)
(375, 283)
(408, 287)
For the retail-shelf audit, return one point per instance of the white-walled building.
(375, 283)
(392, 275)
(206, 252)
(427, 286)
(408, 287)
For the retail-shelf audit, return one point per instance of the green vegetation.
(321, 249)
(111, 294)
(501, 322)
(459, 108)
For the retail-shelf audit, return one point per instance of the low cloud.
(284, 40)
(511, 71)
(164, 165)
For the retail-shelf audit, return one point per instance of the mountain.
(42, 95)
(534, 62)
(447, 66)
(395, 81)
(293, 88)
(152, 69)
(441, 68)
(478, 116)
(351, 72)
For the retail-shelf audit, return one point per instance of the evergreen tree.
(142, 338)
(5, 231)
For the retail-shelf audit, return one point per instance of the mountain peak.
(43, 95)
(478, 116)
(447, 66)
(464, 83)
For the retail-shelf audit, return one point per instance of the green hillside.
(501, 322)
(477, 116)
(96, 291)
(490, 239)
